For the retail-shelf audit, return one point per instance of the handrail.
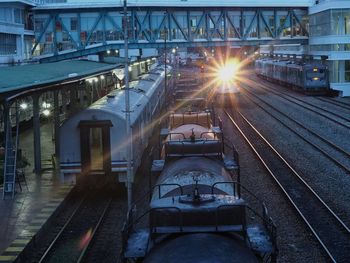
(160, 185)
(243, 187)
(167, 208)
(223, 206)
(176, 133)
(268, 223)
(141, 198)
(209, 132)
(233, 183)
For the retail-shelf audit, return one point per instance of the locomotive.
(309, 77)
(196, 211)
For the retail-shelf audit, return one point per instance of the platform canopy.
(27, 78)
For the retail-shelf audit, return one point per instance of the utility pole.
(165, 68)
(127, 109)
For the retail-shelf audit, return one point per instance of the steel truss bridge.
(72, 32)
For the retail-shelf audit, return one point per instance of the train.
(196, 210)
(311, 78)
(226, 94)
(94, 141)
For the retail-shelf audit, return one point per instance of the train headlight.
(315, 69)
(316, 78)
(228, 71)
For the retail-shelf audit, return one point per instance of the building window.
(347, 25)
(6, 14)
(73, 24)
(347, 70)
(58, 26)
(65, 36)
(7, 44)
(48, 37)
(39, 24)
(18, 16)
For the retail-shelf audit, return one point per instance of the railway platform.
(35, 200)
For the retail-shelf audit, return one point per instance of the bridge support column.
(56, 119)
(36, 133)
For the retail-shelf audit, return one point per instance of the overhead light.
(46, 105)
(23, 105)
(46, 112)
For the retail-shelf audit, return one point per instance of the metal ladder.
(10, 164)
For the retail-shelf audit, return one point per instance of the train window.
(96, 149)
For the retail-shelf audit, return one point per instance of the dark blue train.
(309, 77)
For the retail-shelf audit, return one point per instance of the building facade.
(330, 37)
(17, 29)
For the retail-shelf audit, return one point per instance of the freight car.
(312, 78)
(93, 142)
(196, 212)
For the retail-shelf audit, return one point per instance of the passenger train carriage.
(94, 141)
(309, 77)
(196, 212)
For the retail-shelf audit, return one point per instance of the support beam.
(36, 133)
(56, 119)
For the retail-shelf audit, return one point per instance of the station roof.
(24, 78)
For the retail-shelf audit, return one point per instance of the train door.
(95, 147)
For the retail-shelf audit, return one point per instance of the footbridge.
(79, 28)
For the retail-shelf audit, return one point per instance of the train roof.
(140, 92)
(291, 63)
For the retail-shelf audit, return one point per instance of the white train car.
(94, 142)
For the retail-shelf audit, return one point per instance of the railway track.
(106, 241)
(70, 244)
(330, 115)
(328, 153)
(343, 105)
(329, 230)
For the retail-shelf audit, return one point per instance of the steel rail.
(93, 234)
(51, 247)
(334, 102)
(334, 146)
(285, 96)
(47, 251)
(293, 201)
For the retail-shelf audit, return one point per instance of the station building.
(16, 31)
(329, 29)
